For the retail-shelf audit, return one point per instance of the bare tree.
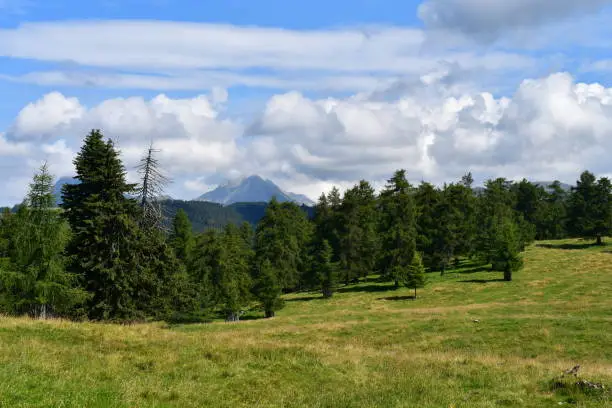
(151, 190)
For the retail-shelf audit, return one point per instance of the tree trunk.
(599, 240)
(327, 293)
(233, 317)
(396, 284)
(414, 294)
(507, 275)
(269, 314)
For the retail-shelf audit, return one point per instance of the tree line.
(107, 253)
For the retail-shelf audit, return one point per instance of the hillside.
(204, 215)
(469, 340)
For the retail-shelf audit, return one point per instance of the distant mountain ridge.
(252, 189)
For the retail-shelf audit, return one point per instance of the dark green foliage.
(230, 278)
(127, 271)
(552, 216)
(397, 227)
(267, 289)
(324, 271)
(357, 221)
(203, 215)
(181, 237)
(415, 275)
(505, 246)
(590, 208)
(282, 237)
(33, 279)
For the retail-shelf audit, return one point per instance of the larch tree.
(267, 289)
(34, 281)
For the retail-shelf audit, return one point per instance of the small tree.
(415, 276)
(325, 271)
(267, 289)
(506, 246)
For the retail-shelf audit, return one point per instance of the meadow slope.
(368, 346)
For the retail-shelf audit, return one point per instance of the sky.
(308, 94)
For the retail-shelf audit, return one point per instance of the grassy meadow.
(368, 346)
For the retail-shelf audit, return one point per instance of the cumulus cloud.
(193, 137)
(548, 128)
(487, 19)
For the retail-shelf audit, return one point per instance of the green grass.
(368, 346)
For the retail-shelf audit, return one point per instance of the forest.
(109, 254)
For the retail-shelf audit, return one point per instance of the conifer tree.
(356, 228)
(267, 289)
(181, 237)
(324, 270)
(282, 237)
(107, 249)
(231, 281)
(33, 279)
(150, 191)
(505, 246)
(590, 208)
(397, 227)
(415, 275)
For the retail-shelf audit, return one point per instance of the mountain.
(546, 185)
(251, 189)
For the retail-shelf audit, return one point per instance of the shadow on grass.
(366, 288)
(393, 298)
(482, 280)
(572, 246)
(303, 299)
(475, 269)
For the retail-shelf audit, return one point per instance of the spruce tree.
(106, 248)
(397, 227)
(267, 289)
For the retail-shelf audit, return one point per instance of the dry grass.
(368, 346)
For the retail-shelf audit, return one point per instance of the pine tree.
(415, 276)
(267, 289)
(397, 227)
(181, 237)
(33, 279)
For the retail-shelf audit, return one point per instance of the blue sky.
(310, 94)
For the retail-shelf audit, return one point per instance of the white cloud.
(487, 19)
(193, 56)
(549, 128)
